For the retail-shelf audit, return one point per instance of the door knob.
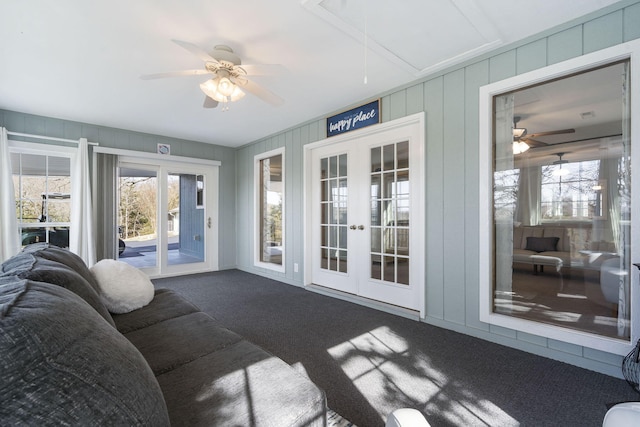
(361, 227)
(353, 227)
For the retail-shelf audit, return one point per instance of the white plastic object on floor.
(406, 417)
(625, 414)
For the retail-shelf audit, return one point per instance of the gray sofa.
(65, 360)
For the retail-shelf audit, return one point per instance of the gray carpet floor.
(370, 362)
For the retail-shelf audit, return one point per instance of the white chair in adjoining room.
(625, 414)
(610, 280)
(406, 417)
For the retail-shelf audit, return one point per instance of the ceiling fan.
(520, 135)
(228, 78)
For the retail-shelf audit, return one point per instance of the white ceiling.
(81, 60)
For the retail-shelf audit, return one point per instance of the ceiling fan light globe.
(520, 147)
(225, 87)
(237, 94)
(210, 88)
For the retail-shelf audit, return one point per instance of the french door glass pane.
(390, 209)
(334, 216)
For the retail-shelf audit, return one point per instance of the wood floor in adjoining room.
(571, 299)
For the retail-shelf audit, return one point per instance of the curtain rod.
(51, 138)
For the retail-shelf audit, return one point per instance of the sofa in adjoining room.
(66, 360)
(560, 247)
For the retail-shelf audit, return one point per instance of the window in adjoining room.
(269, 182)
(560, 203)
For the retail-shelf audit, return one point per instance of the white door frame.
(418, 171)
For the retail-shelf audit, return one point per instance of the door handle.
(353, 227)
(209, 222)
(361, 227)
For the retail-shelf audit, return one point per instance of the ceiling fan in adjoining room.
(229, 78)
(523, 141)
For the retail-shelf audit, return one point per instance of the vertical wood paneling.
(531, 56)
(397, 105)
(564, 45)
(632, 22)
(415, 99)
(603, 32)
(453, 203)
(289, 203)
(502, 66)
(476, 75)
(433, 103)
(295, 172)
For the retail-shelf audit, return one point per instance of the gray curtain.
(105, 191)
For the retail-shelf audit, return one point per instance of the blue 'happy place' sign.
(365, 115)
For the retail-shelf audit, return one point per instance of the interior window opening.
(561, 202)
(270, 211)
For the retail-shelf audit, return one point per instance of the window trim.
(630, 51)
(256, 214)
(49, 150)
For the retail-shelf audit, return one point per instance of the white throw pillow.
(123, 288)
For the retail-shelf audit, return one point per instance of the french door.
(367, 215)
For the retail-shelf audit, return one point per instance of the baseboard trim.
(366, 302)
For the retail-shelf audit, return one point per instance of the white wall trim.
(155, 156)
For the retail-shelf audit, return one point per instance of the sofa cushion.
(123, 288)
(62, 364)
(45, 264)
(542, 244)
(63, 256)
(166, 304)
(180, 340)
(238, 385)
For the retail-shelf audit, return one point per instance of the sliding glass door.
(166, 217)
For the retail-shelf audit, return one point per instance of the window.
(574, 192)
(557, 219)
(269, 179)
(42, 184)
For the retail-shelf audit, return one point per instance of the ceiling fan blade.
(553, 132)
(196, 50)
(263, 69)
(257, 90)
(174, 74)
(533, 143)
(209, 102)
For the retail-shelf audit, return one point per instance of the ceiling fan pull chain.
(365, 41)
